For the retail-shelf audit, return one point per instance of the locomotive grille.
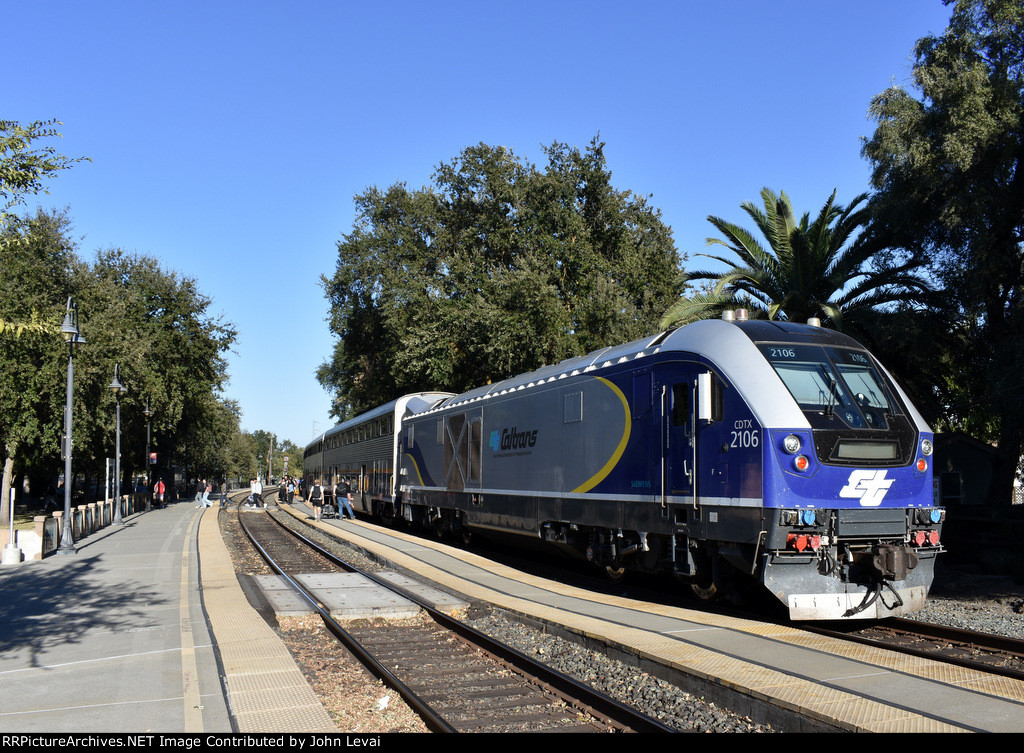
(871, 524)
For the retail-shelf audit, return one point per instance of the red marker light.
(798, 542)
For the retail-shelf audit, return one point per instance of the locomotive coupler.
(893, 563)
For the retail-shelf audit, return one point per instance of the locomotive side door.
(679, 446)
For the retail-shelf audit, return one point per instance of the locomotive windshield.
(834, 383)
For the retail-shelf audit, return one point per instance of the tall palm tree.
(809, 269)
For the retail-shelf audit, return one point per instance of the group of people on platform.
(288, 487)
(339, 493)
(255, 498)
(207, 491)
(335, 498)
(206, 487)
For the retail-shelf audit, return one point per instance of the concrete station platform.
(145, 629)
(794, 679)
(350, 596)
(346, 596)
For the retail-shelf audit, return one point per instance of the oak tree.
(496, 268)
(948, 166)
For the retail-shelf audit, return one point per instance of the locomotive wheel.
(385, 515)
(707, 592)
(615, 573)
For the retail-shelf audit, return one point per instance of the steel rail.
(579, 694)
(429, 716)
(983, 643)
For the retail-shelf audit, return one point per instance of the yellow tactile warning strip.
(266, 690)
(809, 698)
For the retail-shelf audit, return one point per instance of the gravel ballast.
(961, 599)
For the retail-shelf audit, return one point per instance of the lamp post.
(270, 459)
(118, 389)
(149, 420)
(72, 337)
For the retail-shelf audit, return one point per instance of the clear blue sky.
(229, 139)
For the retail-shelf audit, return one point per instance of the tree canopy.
(948, 169)
(151, 323)
(496, 268)
(24, 164)
(796, 269)
(37, 272)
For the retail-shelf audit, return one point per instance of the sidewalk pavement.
(112, 638)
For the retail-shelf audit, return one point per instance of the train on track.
(729, 452)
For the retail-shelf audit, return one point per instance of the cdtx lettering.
(512, 439)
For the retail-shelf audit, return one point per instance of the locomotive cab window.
(681, 404)
(834, 383)
(717, 398)
(682, 399)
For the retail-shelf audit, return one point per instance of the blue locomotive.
(728, 452)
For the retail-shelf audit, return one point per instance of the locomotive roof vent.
(814, 321)
(729, 316)
(741, 315)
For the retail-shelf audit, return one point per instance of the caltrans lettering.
(513, 439)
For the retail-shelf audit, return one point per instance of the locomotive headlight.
(926, 447)
(791, 444)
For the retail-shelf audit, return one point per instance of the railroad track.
(456, 678)
(993, 654)
(984, 652)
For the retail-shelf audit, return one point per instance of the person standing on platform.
(158, 493)
(316, 499)
(328, 496)
(344, 497)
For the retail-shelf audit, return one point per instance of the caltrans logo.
(512, 439)
(867, 486)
